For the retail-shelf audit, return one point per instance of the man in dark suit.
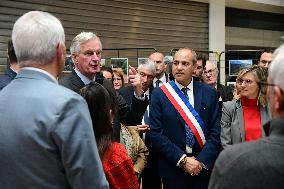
(186, 151)
(86, 49)
(147, 73)
(210, 75)
(161, 67)
(199, 67)
(12, 70)
(258, 164)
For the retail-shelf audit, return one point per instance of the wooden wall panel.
(161, 24)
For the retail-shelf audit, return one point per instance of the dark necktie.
(189, 139)
(157, 83)
(184, 91)
(146, 114)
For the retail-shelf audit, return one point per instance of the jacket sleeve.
(226, 122)
(131, 114)
(212, 147)
(160, 142)
(74, 136)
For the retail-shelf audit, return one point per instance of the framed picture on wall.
(103, 62)
(231, 84)
(141, 61)
(236, 65)
(120, 64)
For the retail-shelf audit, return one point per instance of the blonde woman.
(242, 119)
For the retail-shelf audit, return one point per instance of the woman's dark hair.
(100, 102)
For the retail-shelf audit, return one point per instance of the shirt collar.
(42, 71)
(189, 86)
(162, 79)
(85, 79)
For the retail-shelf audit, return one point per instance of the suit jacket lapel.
(75, 79)
(264, 116)
(240, 118)
(197, 95)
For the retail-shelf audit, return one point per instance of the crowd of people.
(93, 129)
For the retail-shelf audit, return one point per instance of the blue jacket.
(7, 77)
(167, 133)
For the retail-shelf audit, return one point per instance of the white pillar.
(217, 32)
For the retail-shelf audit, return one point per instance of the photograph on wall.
(103, 62)
(232, 85)
(69, 65)
(120, 64)
(141, 61)
(236, 65)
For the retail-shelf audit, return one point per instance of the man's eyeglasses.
(270, 84)
(210, 72)
(266, 84)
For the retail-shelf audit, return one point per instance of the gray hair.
(211, 62)
(81, 38)
(35, 37)
(150, 65)
(276, 68)
(168, 60)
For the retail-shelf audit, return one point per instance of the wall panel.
(161, 24)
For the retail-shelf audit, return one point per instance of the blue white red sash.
(185, 109)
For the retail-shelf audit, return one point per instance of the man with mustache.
(185, 126)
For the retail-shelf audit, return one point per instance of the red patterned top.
(118, 168)
(252, 119)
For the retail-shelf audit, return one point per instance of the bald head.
(158, 59)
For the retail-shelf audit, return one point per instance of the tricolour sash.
(185, 109)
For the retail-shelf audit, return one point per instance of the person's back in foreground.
(46, 136)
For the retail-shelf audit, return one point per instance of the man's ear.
(60, 51)
(74, 58)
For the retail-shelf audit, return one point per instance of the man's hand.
(143, 128)
(135, 80)
(192, 166)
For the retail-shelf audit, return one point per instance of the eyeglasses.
(270, 84)
(246, 82)
(266, 84)
(210, 72)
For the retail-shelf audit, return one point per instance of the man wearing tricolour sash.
(185, 127)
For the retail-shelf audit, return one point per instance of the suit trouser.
(150, 177)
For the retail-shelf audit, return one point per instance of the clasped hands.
(192, 166)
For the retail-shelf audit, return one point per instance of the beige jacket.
(135, 147)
